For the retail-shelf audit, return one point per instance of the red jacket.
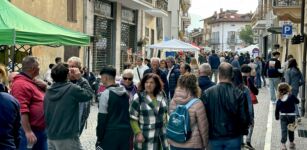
(31, 99)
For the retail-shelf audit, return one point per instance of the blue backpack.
(178, 127)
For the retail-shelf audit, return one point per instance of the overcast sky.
(201, 9)
(206, 8)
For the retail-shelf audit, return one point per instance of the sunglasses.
(125, 78)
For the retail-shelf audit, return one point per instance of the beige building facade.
(55, 12)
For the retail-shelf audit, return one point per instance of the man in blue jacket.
(204, 81)
(10, 124)
(214, 62)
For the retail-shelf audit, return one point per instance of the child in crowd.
(285, 111)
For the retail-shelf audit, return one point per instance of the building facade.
(178, 19)
(196, 37)
(222, 30)
(267, 22)
(67, 13)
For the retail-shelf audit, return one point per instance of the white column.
(118, 36)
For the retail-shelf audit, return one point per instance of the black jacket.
(227, 111)
(272, 68)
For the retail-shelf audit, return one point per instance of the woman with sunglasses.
(127, 82)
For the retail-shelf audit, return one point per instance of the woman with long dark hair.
(237, 80)
(294, 77)
(148, 112)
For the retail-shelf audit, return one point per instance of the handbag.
(253, 97)
(292, 126)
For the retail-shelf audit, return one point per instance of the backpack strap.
(190, 103)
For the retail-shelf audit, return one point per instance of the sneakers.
(249, 146)
(283, 147)
(292, 145)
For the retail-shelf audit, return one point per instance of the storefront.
(103, 48)
(128, 42)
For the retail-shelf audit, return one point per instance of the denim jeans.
(230, 144)
(284, 121)
(273, 88)
(177, 148)
(258, 80)
(41, 143)
(250, 133)
(214, 73)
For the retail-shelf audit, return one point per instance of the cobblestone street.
(265, 137)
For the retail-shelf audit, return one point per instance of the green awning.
(18, 27)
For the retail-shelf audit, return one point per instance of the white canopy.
(250, 49)
(174, 45)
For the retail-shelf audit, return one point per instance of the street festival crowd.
(177, 103)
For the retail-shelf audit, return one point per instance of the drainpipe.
(86, 49)
(303, 103)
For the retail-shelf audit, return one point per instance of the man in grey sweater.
(61, 107)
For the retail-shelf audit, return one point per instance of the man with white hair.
(204, 81)
(235, 62)
(74, 65)
(155, 64)
(138, 70)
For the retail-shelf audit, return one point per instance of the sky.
(201, 9)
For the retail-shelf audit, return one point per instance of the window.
(70, 51)
(72, 10)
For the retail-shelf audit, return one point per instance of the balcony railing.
(214, 41)
(286, 3)
(148, 1)
(231, 41)
(162, 4)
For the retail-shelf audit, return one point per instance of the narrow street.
(266, 135)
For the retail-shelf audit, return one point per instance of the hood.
(117, 89)
(57, 90)
(284, 97)
(181, 96)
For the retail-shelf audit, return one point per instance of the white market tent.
(253, 50)
(174, 44)
(171, 45)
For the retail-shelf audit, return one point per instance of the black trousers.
(116, 140)
(284, 121)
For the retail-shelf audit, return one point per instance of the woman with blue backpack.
(187, 128)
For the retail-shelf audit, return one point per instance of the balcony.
(214, 42)
(148, 1)
(287, 10)
(159, 9)
(186, 19)
(161, 4)
(231, 41)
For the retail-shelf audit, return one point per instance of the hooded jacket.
(113, 111)
(61, 107)
(198, 121)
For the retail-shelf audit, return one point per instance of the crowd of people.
(215, 93)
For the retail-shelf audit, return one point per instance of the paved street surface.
(266, 135)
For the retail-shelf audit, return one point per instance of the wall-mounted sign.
(128, 15)
(103, 9)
